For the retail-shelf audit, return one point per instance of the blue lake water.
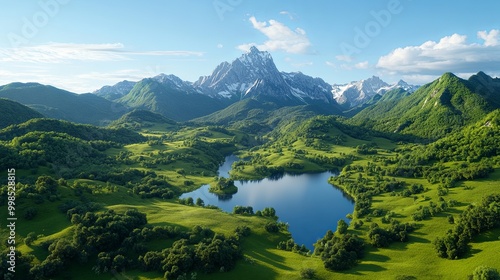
(307, 202)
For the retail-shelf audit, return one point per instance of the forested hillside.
(15, 113)
(433, 111)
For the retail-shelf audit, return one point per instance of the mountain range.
(251, 92)
(357, 93)
(253, 75)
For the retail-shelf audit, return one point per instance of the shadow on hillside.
(271, 258)
(364, 268)
(471, 253)
(414, 238)
(488, 236)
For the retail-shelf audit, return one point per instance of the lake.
(307, 202)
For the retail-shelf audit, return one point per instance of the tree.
(30, 213)
(307, 273)
(451, 220)
(269, 212)
(46, 184)
(272, 227)
(200, 202)
(342, 226)
(119, 262)
(485, 273)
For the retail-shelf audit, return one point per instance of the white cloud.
(331, 64)
(280, 37)
(62, 52)
(345, 58)
(361, 65)
(491, 38)
(452, 53)
(289, 14)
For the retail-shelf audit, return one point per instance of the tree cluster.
(291, 246)
(397, 232)
(473, 221)
(204, 250)
(339, 252)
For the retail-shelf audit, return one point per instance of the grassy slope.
(417, 257)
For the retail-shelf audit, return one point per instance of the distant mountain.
(15, 113)
(164, 96)
(254, 75)
(251, 76)
(173, 81)
(358, 93)
(116, 91)
(310, 90)
(434, 110)
(60, 104)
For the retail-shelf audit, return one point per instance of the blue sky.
(82, 45)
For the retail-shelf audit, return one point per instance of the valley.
(125, 192)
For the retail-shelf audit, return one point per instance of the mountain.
(433, 111)
(60, 104)
(116, 91)
(358, 93)
(173, 81)
(15, 113)
(254, 75)
(310, 90)
(251, 75)
(164, 96)
(487, 86)
(383, 103)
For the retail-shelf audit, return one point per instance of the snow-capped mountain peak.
(173, 81)
(243, 76)
(359, 92)
(116, 91)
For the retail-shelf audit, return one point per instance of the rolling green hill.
(138, 118)
(260, 117)
(436, 109)
(473, 143)
(60, 104)
(81, 131)
(384, 103)
(15, 113)
(172, 103)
